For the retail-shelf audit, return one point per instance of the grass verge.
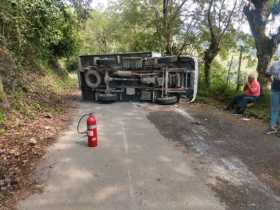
(221, 96)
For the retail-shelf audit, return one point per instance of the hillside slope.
(35, 100)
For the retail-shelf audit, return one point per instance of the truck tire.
(107, 98)
(92, 78)
(170, 100)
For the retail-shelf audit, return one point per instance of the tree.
(219, 16)
(41, 29)
(45, 27)
(102, 37)
(149, 25)
(138, 31)
(170, 23)
(125, 25)
(82, 8)
(258, 13)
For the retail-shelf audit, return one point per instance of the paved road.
(134, 167)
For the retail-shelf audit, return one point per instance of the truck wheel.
(171, 100)
(92, 78)
(107, 98)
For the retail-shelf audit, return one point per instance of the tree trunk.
(168, 44)
(166, 31)
(266, 47)
(209, 57)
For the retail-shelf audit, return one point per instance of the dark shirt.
(274, 71)
(275, 86)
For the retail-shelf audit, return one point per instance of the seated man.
(252, 91)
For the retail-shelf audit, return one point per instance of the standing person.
(273, 72)
(251, 93)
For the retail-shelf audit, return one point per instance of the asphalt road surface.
(134, 167)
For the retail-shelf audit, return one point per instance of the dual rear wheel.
(168, 100)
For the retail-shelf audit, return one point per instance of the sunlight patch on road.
(62, 146)
(184, 113)
(165, 159)
(107, 192)
(78, 174)
(183, 169)
(233, 171)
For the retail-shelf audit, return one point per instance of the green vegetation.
(37, 38)
(42, 92)
(36, 35)
(45, 29)
(210, 30)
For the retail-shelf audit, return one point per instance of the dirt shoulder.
(233, 156)
(23, 146)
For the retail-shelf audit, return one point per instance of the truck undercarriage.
(138, 77)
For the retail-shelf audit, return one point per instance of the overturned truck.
(138, 77)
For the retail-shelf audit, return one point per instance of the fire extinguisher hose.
(79, 123)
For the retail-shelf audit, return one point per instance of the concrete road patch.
(134, 167)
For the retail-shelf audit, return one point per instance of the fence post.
(229, 70)
(239, 69)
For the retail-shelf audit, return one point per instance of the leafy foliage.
(140, 26)
(46, 28)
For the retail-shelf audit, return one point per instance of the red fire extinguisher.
(91, 129)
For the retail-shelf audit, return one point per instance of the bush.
(72, 64)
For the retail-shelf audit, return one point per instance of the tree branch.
(209, 19)
(177, 12)
(186, 41)
(158, 22)
(228, 20)
(220, 13)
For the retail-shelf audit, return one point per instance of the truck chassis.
(138, 77)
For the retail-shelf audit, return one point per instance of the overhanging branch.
(209, 19)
